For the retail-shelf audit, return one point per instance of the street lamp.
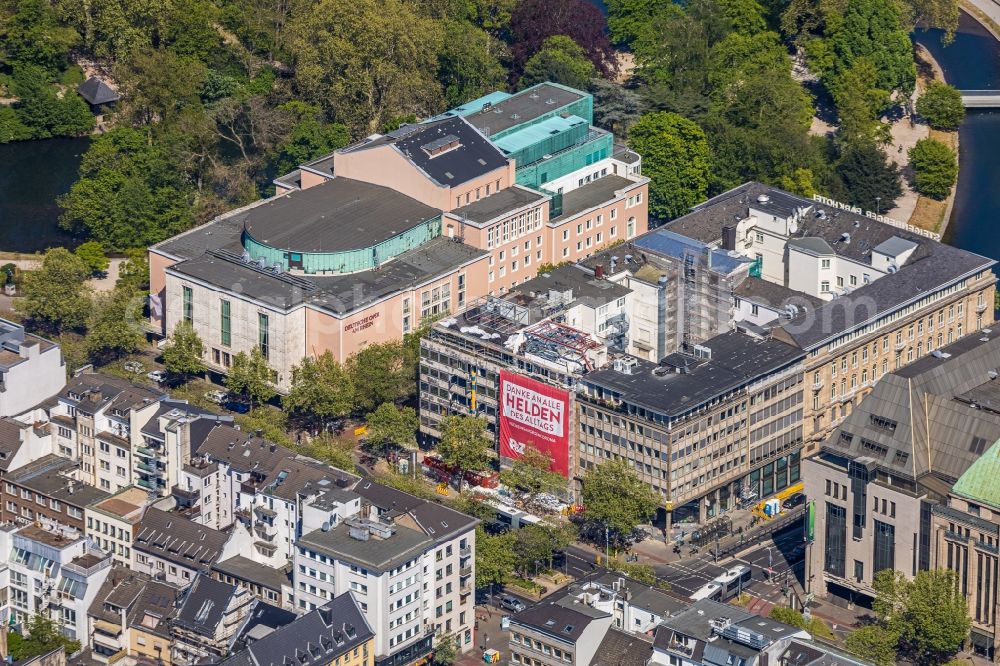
(607, 545)
(878, 201)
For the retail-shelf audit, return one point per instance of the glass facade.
(885, 547)
(263, 339)
(836, 539)
(188, 301)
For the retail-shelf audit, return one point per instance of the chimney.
(599, 271)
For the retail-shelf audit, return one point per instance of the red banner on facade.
(534, 414)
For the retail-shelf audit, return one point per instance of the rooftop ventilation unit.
(625, 364)
(763, 198)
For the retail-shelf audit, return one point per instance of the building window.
(188, 298)
(263, 334)
(225, 324)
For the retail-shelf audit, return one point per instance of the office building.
(883, 477)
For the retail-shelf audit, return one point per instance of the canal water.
(32, 175)
(972, 62)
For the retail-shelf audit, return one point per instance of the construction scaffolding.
(561, 344)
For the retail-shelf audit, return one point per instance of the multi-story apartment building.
(31, 369)
(882, 478)
(172, 548)
(556, 633)
(359, 246)
(890, 295)
(130, 617)
(333, 634)
(207, 621)
(98, 421)
(48, 491)
(56, 573)
(409, 563)
(113, 523)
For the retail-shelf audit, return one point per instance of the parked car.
(218, 397)
(133, 366)
(794, 501)
(510, 603)
(157, 376)
(238, 407)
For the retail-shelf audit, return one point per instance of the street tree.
(929, 613)
(560, 60)
(114, 328)
(935, 168)
(675, 158)
(92, 255)
(538, 544)
(328, 449)
(182, 356)
(495, 558)
(788, 616)
(250, 376)
(532, 475)
(56, 297)
(321, 389)
(390, 425)
(43, 636)
(379, 374)
(615, 497)
(465, 444)
(133, 273)
(874, 643)
(445, 650)
(859, 102)
(941, 105)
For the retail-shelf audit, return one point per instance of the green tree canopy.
(869, 179)
(859, 102)
(935, 168)
(44, 636)
(874, 29)
(134, 271)
(309, 138)
(391, 425)
(56, 296)
(875, 643)
(330, 450)
(366, 61)
(941, 105)
(929, 613)
(531, 474)
(250, 376)
(379, 374)
(128, 194)
(321, 389)
(616, 108)
(614, 496)
(560, 60)
(495, 559)
(465, 443)
(469, 63)
(33, 35)
(92, 255)
(184, 352)
(114, 327)
(40, 109)
(675, 158)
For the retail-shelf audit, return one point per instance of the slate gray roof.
(51, 476)
(336, 215)
(931, 266)
(246, 569)
(10, 442)
(317, 638)
(386, 498)
(439, 522)
(812, 244)
(564, 623)
(764, 292)
(621, 649)
(585, 287)
(737, 359)
(174, 538)
(934, 430)
(499, 204)
(205, 605)
(96, 91)
(895, 246)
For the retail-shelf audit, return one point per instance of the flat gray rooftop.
(499, 204)
(336, 215)
(591, 195)
(376, 554)
(522, 108)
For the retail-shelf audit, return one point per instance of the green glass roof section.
(532, 135)
(472, 106)
(981, 482)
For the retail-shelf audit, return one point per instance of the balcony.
(981, 308)
(465, 586)
(818, 385)
(465, 571)
(465, 552)
(143, 451)
(146, 484)
(899, 347)
(989, 548)
(262, 510)
(265, 531)
(105, 628)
